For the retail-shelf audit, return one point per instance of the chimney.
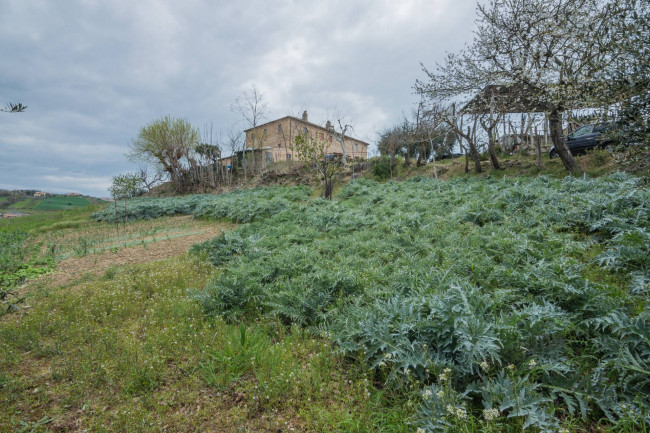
(304, 116)
(328, 125)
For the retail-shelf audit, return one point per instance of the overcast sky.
(92, 72)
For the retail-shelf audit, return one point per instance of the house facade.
(275, 139)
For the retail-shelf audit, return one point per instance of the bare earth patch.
(151, 249)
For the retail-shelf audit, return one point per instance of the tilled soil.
(73, 268)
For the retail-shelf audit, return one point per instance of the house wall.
(278, 137)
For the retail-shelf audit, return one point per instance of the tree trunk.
(538, 150)
(435, 170)
(473, 152)
(493, 153)
(557, 137)
(489, 128)
(328, 189)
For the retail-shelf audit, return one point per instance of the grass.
(594, 164)
(60, 203)
(51, 220)
(50, 203)
(129, 351)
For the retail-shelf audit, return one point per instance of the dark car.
(585, 138)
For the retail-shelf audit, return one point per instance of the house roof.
(306, 123)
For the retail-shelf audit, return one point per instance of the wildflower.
(426, 393)
(490, 414)
(532, 363)
(445, 374)
(420, 430)
(388, 355)
(461, 413)
(484, 365)
(564, 430)
(440, 394)
(511, 367)
(382, 364)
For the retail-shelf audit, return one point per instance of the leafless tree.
(339, 135)
(149, 178)
(252, 109)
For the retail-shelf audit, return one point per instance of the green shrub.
(380, 167)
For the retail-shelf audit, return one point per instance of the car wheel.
(553, 154)
(609, 148)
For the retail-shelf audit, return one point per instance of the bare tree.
(252, 109)
(149, 178)
(233, 143)
(339, 135)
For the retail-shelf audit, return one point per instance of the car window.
(603, 127)
(582, 131)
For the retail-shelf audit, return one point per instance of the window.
(279, 127)
(288, 157)
(356, 147)
(330, 138)
(321, 136)
(582, 131)
(304, 130)
(264, 131)
(279, 144)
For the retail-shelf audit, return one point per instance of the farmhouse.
(275, 139)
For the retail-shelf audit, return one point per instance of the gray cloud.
(93, 73)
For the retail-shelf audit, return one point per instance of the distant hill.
(25, 201)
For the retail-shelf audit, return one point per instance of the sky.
(93, 73)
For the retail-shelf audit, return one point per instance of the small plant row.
(241, 206)
(505, 303)
(16, 265)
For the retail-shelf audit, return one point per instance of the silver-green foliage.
(239, 206)
(518, 301)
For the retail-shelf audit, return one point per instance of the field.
(60, 203)
(493, 305)
(49, 203)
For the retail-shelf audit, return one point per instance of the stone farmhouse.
(275, 139)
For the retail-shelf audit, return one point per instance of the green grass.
(52, 220)
(60, 203)
(131, 352)
(595, 163)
